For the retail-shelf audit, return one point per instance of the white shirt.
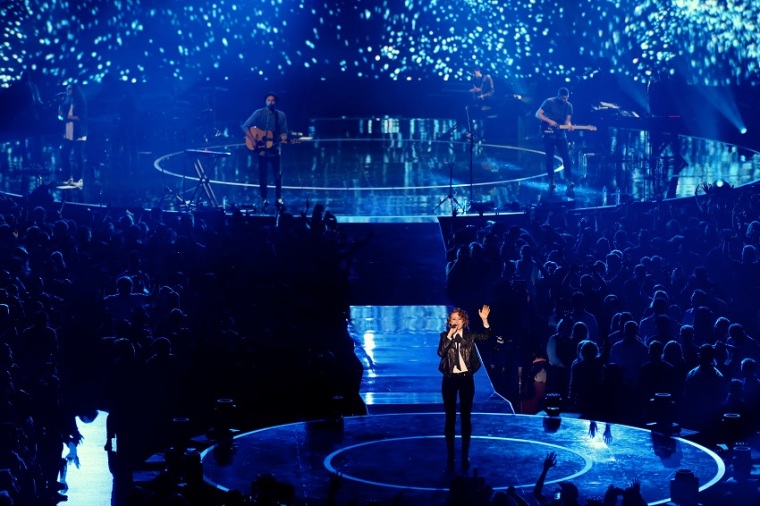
(460, 367)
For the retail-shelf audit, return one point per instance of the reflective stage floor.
(390, 167)
(385, 175)
(392, 455)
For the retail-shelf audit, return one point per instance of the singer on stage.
(459, 362)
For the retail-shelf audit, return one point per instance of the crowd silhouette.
(160, 319)
(154, 319)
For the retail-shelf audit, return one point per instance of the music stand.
(455, 205)
(203, 180)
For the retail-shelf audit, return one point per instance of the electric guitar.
(264, 139)
(547, 129)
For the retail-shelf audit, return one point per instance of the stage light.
(743, 130)
(742, 460)
(552, 404)
(508, 37)
(684, 487)
(662, 412)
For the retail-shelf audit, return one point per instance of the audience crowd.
(158, 319)
(155, 319)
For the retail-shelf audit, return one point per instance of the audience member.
(579, 314)
(586, 378)
(667, 326)
(673, 355)
(629, 354)
(656, 375)
(704, 391)
(568, 492)
(742, 345)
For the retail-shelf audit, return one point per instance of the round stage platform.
(382, 456)
(367, 177)
(394, 167)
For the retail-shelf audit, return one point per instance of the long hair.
(587, 350)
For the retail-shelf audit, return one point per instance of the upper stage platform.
(396, 167)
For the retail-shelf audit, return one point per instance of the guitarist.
(482, 95)
(553, 113)
(265, 130)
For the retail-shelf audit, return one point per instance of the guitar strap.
(276, 129)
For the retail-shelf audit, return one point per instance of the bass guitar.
(547, 129)
(259, 139)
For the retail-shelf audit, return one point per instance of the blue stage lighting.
(514, 41)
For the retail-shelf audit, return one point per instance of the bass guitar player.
(556, 115)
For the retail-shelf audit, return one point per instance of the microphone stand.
(455, 206)
(471, 135)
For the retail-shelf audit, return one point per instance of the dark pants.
(464, 385)
(558, 142)
(75, 150)
(477, 115)
(274, 162)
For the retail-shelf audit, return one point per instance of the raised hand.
(592, 429)
(611, 495)
(550, 460)
(607, 434)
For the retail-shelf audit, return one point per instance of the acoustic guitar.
(264, 139)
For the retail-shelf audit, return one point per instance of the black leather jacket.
(448, 353)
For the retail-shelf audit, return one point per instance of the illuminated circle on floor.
(584, 462)
(172, 164)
